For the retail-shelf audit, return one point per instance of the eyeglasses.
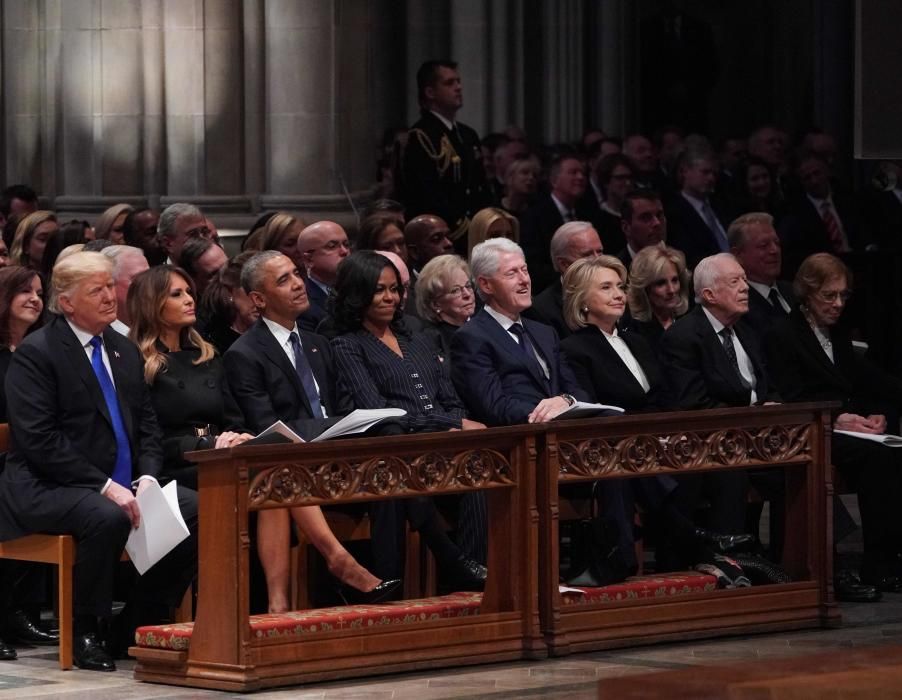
(199, 232)
(833, 297)
(458, 291)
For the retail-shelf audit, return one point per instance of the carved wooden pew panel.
(787, 436)
(225, 654)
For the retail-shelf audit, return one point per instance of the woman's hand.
(230, 439)
(467, 424)
(859, 424)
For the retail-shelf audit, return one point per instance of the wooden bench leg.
(64, 586)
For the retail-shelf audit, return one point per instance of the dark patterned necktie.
(773, 297)
(529, 352)
(726, 336)
(305, 374)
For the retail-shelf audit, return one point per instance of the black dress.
(186, 396)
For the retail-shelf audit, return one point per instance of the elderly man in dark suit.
(83, 433)
(756, 246)
(508, 369)
(571, 242)
(712, 360)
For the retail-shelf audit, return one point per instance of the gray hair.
(708, 272)
(432, 280)
(252, 273)
(119, 254)
(561, 238)
(69, 273)
(737, 230)
(484, 258)
(173, 213)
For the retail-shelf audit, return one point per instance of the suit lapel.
(634, 347)
(721, 361)
(78, 359)
(275, 354)
(318, 367)
(508, 345)
(813, 345)
(541, 340)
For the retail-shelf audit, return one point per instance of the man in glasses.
(322, 246)
(572, 241)
(178, 223)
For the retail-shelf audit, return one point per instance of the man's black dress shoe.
(724, 544)
(20, 628)
(7, 653)
(468, 575)
(850, 589)
(352, 596)
(88, 653)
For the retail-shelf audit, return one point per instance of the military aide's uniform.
(442, 174)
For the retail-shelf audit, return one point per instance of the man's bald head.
(322, 246)
(427, 237)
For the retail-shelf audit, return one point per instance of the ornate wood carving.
(684, 451)
(340, 480)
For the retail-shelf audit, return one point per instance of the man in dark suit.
(571, 242)
(696, 224)
(260, 366)
(755, 244)
(643, 221)
(507, 369)
(83, 432)
(818, 220)
(442, 170)
(567, 177)
(322, 247)
(713, 360)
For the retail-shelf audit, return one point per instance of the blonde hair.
(432, 280)
(578, 282)
(146, 297)
(276, 228)
(646, 269)
(18, 252)
(69, 273)
(104, 226)
(483, 220)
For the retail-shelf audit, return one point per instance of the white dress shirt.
(623, 350)
(283, 338)
(764, 291)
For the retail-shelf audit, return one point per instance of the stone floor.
(36, 673)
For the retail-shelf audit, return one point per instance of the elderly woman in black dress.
(811, 358)
(381, 365)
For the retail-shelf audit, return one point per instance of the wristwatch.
(569, 399)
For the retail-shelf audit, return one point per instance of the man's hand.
(547, 409)
(124, 498)
(878, 422)
(858, 424)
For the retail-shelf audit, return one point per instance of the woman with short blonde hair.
(658, 291)
(32, 235)
(110, 222)
(492, 222)
(578, 284)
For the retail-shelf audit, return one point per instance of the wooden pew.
(793, 437)
(224, 652)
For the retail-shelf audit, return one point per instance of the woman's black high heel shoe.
(351, 596)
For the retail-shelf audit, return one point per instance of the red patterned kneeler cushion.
(302, 622)
(637, 587)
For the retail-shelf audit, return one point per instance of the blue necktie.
(305, 374)
(122, 473)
